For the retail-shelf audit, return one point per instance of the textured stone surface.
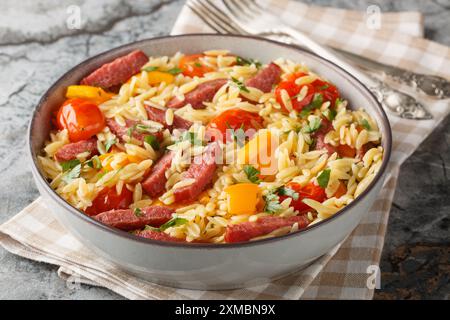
(36, 48)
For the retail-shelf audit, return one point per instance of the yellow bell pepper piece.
(95, 94)
(155, 77)
(258, 152)
(242, 198)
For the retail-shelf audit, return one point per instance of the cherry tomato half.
(192, 66)
(310, 191)
(226, 124)
(108, 199)
(329, 92)
(82, 119)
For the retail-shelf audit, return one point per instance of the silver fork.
(242, 19)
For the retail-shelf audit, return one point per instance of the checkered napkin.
(340, 274)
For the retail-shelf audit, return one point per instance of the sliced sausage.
(248, 230)
(155, 184)
(202, 171)
(158, 115)
(71, 150)
(204, 92)
(129, 219)
(265, 79)
(116, 72)
(121, 131)
(156, 235)
(319, 136)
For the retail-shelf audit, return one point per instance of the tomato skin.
(345, 151)
(220, 127)
(82, 119)
(310, 191)
(108, 199)
(341, 190)
(192, 67)
(329, 92)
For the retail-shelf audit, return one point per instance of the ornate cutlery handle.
(431, 85)
(399, 103)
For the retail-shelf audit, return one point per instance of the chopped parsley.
(240, 85)
(174, 71)
(94, 162)
(338, 101)
(174, 222)
(286, 191)
(315, 103)
(324, 87)
(366, 124)
(272, 203)
(330, 114)
(198, 64)
(138, 212)
(150, 69)
(72, 174)
(151, 140)
(313, 125)
(246, 62)
(252, 174)
(323, 178)
(109, 144)
(237, 135)
(69, 165)
(191, 137)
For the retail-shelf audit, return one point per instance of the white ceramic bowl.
(209, 266)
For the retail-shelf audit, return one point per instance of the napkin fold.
(346, 272)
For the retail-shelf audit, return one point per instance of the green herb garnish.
(324, 87)
(94, 162)
(366, 124)
(240, 85)
(109, 144)
(313, 125)
(237, 135)
(272, 203)
(69, 165)
(191, 137)
(246, 62)
(338, 101)
(174, 222)
(198, 64)
(138, 212)
(174, 71)
(151, 140)
(323, 178)
(252, 174)
(315, 103)
(330, 114)
(72, 174)
(150, 69)
(286, 191)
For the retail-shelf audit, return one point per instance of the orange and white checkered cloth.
(342, 273)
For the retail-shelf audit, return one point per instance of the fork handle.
(397, 102)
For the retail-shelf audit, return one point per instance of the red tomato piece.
(82, 119)
(108, 199)
(222, 126)
(341, 190)
(192, 66)
(328, 91)
(310, 191)
(345, 151)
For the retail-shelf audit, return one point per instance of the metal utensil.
(430, 85)
(250, 13)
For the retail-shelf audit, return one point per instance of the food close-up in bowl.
(209, 147)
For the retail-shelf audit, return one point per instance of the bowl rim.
(39, 178)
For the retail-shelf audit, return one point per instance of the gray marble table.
(36, 47)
